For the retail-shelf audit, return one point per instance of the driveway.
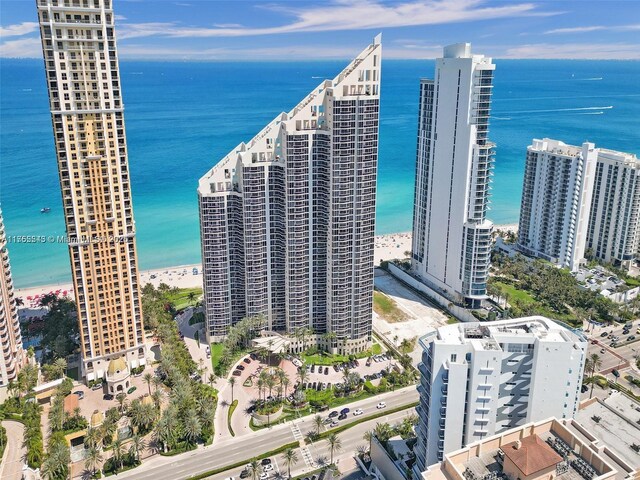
(14, 453)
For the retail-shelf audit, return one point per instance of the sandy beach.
(387, 247)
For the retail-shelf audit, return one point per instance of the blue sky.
(290, 29)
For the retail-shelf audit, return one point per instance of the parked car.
(334, 414)
(131, 390)
(97, 386)
(335, 368)
(631, 338)
(333, 424)
(368, 362)
(602, 350)
(265, 461)
(358, 411)
(584, 388)
(267, 468)
(342, 416)
(247, 361)
(604, 334)
(381, 405)
(240, 367)
(107, 396)
(326, 370)
(313, 369)
(345, 410)
(615, 372)
(79, 393)
(237, 373)
(264, 476)
(245, 473)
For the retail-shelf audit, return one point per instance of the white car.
(357, 411)
(267, 468)
(381, 405)
(264, 476)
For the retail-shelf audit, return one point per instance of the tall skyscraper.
(81, 64)
(287, 220)
(556, 201)
(13, 356)
(480, 379)
(614, 225)
(451, 234)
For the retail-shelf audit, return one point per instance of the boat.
(45, 210)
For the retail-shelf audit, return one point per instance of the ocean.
(181, 117)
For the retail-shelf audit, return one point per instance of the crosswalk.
(295, 429)
(307, 457)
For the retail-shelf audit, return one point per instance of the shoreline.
(387, 247)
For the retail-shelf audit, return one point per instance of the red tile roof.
(532, 456)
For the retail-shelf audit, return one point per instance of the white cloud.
(23, 48)
(353, 15)
(586, 51)
(119, 17)
(18, 29)
(594, 28)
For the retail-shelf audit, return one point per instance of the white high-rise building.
(556, 201)
(451, 235)
(478, 379)
(614, 224)
(87, 114)
(287, 220)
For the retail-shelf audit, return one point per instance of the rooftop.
(488, 335)
(531, 454)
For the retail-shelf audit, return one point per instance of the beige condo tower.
(81, 65)
(12, 356)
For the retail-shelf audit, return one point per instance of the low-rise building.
(551, 449)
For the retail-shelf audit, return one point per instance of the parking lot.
(369, 369)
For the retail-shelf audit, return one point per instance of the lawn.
(387, 308)
(527, 299)
(180, 298)
(216, 353)
(514, 293)
(324, 358)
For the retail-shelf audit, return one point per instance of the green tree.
(254, 468)
(148, 379)
(93, 459)
(335, 444)
(137, 447)
(317, 422)
(232, 382)
(290, 458)
(593, 364)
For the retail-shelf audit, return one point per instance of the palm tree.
(232, 382)
(92, 437)
(118, 452)
(148, 379)
(285, 384)
(317, 421)
(290, 458)
(137, 446)
(120, 398)
(254, 467)
(303, 375)
(156, 382)
(157, 397)
(92, 459)
(368, 437)
(192, 427)
(191, 297)
(383, 432)
(212, 379)
(594, 362)
(335, 445)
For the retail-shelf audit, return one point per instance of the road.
(230, 451)
(11, 468)
(350, 439)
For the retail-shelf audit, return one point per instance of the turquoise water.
(182, 117)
